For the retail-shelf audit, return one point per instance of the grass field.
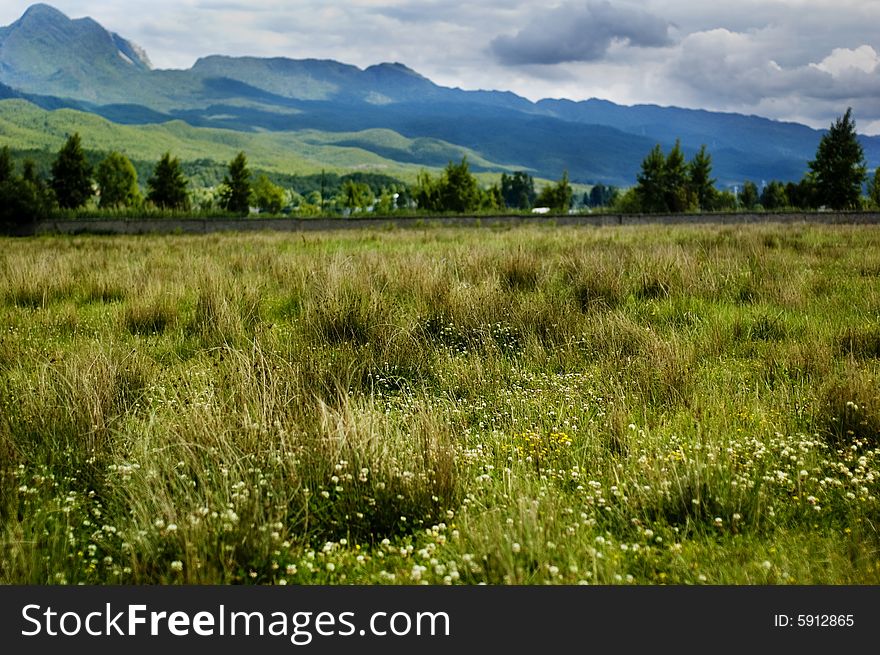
(636, 405)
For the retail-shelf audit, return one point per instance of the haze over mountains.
(56, 62)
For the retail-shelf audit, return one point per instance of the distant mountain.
(46, 52)
(56, 62)
(768, 149)
(28, 128)
(313, 79)
(6, 92)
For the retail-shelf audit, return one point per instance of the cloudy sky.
(803, 60)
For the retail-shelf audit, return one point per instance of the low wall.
(212, 225)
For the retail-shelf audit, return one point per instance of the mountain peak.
(396, 71)
(40, 18)
(36, 18)
(396, 80)
(46, 52)
(393, 66)
(42, 10)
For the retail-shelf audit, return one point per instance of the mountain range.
(57, 63)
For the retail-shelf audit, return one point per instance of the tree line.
(666, 183)
(74, 183)
(457, 190)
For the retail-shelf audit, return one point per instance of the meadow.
(562, 405)
(37, 134)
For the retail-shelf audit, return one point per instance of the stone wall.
(207, 226)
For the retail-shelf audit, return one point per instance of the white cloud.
(723, 69)
(789, 59)
(844, 61)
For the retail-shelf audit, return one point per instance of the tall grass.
(635, 405)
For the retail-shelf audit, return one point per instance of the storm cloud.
(580, 33)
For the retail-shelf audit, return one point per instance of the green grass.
(640, 405)
(25, 126)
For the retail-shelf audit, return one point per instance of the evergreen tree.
(676, 180)
(9, 189)
(650, 190)
(874, 190)
(38, 196)
(670, 184)
(802, 194)
(518, 190)
(700, 181)
(25, 198)
(839, 166)
(167, 187)
(601, 196)
(774, 196)
(117, 180)
(72, 175)
(6, 167)
(556, 196)
(29, 172)
(459, 191)
(793, 193)
(748, 198)
(235, 192)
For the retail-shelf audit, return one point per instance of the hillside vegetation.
(24, 126)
